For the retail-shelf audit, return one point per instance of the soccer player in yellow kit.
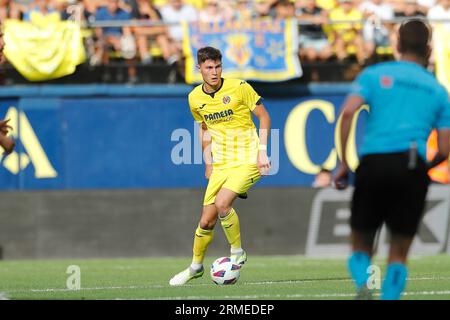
(235, 156)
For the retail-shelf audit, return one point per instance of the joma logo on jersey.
(218, 115)
(33, 151)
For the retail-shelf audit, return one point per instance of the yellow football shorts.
(237, 179)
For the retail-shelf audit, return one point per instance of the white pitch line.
(258, 296)
(426, 293)
(292, 296)
(159, 286)
(96, 288)
(3, 296)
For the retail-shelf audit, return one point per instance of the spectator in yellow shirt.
(347, 36)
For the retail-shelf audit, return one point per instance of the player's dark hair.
(208, 53)
(414, 37)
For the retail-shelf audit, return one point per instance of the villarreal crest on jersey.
(227, 114)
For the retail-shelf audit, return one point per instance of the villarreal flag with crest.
(262, 49)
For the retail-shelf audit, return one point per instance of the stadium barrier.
(105, 171)
(161, 222)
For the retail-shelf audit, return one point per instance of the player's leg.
(203, 235)
(239, 180)
(204, 232)
(408, 207)
(229, 220)
(366, 218)
(397, 272)
(360, 260)
(202, 238)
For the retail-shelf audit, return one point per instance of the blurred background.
(108, 159)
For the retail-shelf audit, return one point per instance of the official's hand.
(263, 163)
(208, 171)
(341, 178)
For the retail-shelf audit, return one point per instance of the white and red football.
(225, 271)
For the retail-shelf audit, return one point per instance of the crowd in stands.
(321, 37)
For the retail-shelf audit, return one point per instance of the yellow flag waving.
(442, 54)
(44, 48)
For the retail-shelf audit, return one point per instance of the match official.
(406, 102)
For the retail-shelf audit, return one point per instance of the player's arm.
(205, 137)
(6, 142)
(264, 127)
(350, 107)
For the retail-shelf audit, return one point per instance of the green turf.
(280, 277)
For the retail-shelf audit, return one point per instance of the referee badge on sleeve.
(386, 82)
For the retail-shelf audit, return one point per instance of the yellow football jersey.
(347, 29)
(227, 114)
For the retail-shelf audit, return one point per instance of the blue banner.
(261, 49)
(91, 142)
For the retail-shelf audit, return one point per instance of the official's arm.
(443, 148)
(350, 107)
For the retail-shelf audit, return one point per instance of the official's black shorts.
(387, 191)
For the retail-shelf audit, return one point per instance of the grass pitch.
(275, 277)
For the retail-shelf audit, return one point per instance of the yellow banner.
(442, 53)
(441, 50)
(45, 48)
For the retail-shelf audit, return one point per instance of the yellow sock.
(201, 241)
(230, 225)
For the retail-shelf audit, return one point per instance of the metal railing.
(76, 14)
(149, 23)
